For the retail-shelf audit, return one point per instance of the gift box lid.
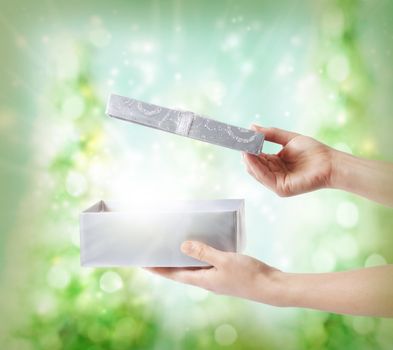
(184, 123)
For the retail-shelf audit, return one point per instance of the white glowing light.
(283, 262)
(225, 334)
(217, 188)
(58, 277)
(347, 214)
(143, 47)
(332, 96)
(338, 68)
(307, 87)
(148, 47)
(342, 118)
(272, 218)
(76, 184)
(231, 42)
(155, 146)
(247, 68)
(148, 71)
(215, 91)
(111, 282)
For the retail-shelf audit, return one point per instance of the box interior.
(170, 205)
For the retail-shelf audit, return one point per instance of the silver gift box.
(150, 233)
(185, 123)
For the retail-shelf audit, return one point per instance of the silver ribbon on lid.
(185, 123)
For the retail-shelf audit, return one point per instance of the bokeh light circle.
(363, 325)
(111, 282)
(375, 260)
(225, 334)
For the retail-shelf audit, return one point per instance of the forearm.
(367, 292)
(367, 178)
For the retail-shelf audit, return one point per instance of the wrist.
(276, 292)
(290, 290)
(341, 164)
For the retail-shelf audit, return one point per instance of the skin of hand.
(367, 292)
(230, 274)
(302, 165)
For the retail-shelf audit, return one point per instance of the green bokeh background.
(322, 68)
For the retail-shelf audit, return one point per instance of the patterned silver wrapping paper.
(185, 123)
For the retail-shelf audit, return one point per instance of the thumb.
(202, 252)
(275, 135)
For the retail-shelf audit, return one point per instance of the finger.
(194, 276)
(248, 167)
(275, 135)
(260, 170)
(203, 252)
(249, 170)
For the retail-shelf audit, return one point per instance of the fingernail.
(187, 247)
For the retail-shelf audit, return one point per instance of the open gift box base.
(150, 233)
